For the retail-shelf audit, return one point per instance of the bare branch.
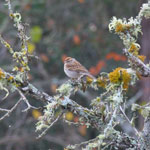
(26, 101)
(6, 110)
(10, 111)
(136, 131)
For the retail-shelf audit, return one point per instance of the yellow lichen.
(101, 82)
(24, 52)
(16, 84)
(127, 26)
(114, 76)
(21, 69)
(11, 15)
(31, 47)
(142, 57)
(15, 68)
(134, 48)
(120, 76)
(7, 45)
(10, 78)
(2, 75)
(98, 99)
(24, 63)
(126, 79)
(89, 80)
(15, 55)
(119, 27)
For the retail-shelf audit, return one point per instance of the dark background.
(60, 28)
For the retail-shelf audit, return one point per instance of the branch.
(120, 141)
(44, 132)
(138, 64)
(146, 133)
(66, 104)
(16, 17)
(9, 111)
(136, 131)
(26, 101)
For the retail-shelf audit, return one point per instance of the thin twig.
(6, 110)
(6, 44)
(136, 131)
(83, 143)
(44, 132)
(9, 6)
(10, 111)
(74, 123)
(29, 106)
(133, 99)
(110, 124)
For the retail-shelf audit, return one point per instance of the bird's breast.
(70, 73)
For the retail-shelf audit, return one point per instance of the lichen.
(142, 57)
(145, 10)
(101, 82)
(120, 75)
(2, 74)
(134, 48)
(65, 89)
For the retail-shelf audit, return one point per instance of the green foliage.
(36, 34)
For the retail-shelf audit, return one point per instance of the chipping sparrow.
(74, 69)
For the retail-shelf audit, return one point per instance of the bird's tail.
(90, 76)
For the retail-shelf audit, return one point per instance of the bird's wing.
(77, 67)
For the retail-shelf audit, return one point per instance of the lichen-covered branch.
(105, 108)
(128, 31)
(66, 103)
(146, 133)
(117, 140)
(138, 65)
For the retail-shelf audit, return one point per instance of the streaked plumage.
(74, 69)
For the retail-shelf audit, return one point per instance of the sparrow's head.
(69, 60)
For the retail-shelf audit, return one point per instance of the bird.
(74, 70)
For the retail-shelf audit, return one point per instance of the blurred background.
(76, 28)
